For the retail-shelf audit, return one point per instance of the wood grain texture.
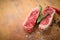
(13, 14)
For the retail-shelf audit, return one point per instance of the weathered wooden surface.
(14, 12)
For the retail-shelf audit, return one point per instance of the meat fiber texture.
(44, 24)
(30, 21)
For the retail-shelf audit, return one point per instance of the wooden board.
(13, 14)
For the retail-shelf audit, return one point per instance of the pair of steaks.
(33, 16)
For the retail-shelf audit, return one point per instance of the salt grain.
(27, 36)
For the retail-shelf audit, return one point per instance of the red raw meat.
(44, 24)
(31, 19)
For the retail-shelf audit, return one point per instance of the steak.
(44, 24)
(30, 21)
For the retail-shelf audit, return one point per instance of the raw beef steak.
(31, 19)
(44, 24)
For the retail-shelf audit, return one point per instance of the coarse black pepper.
(58, 23)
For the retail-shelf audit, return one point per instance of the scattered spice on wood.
(58, 23)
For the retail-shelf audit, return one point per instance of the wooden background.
(13, 14)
